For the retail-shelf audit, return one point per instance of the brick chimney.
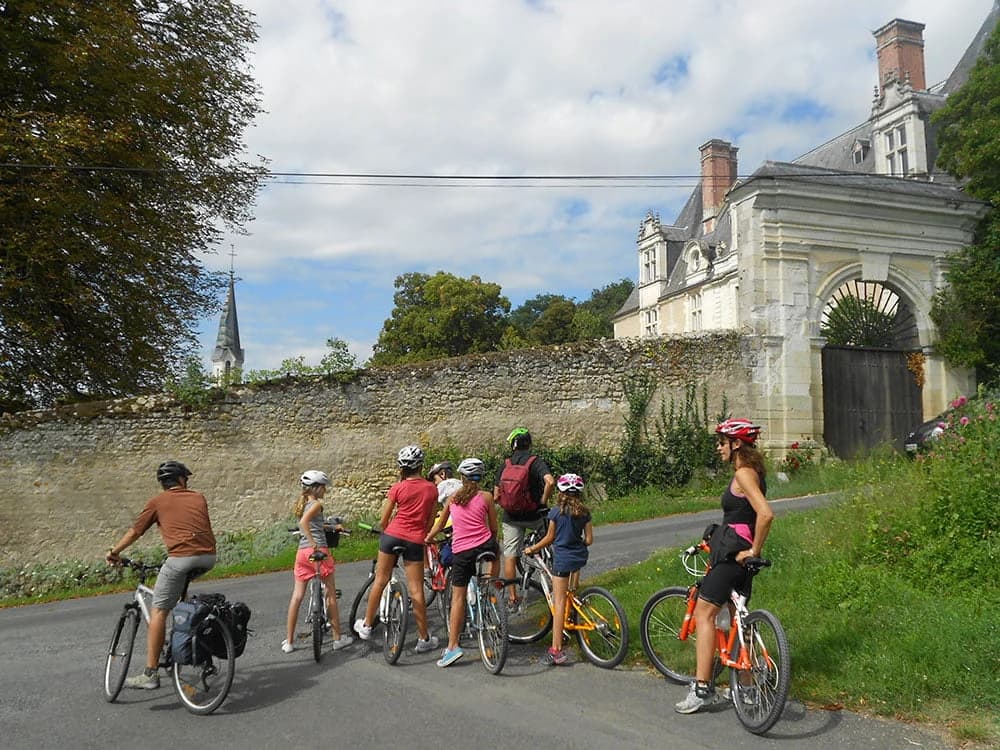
(900, 48)
(718, 173)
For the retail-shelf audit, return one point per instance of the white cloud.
(501, 87)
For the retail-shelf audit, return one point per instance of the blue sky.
(501, 87)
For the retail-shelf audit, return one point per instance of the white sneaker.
(343, 642)
(423, 646)
(364, 631)
(287, 647)
(694, 702)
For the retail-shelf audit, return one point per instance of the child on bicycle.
(474, 523)
(312, 542)
(570, 532)
(746, 521)
(406, 517)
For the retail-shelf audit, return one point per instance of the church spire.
(228, 355)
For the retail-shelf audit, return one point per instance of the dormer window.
(860, 151)
(897, 157)
(694, 260)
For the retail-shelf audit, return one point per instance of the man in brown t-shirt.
(182, 516)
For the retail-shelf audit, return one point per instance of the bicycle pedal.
(339, 593)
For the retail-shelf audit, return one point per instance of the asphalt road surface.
(51, 667)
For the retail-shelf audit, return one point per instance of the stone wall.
(72, 479)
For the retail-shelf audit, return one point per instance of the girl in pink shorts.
(309, 510)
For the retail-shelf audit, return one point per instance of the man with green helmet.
(540, 485)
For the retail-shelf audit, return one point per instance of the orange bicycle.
(754, 646)
(594, 615)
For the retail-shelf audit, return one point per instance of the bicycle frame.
(583, 620)
(726, 642)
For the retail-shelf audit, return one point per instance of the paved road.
(51, 657)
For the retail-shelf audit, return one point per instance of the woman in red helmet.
(746, 520)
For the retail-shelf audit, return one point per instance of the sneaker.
(695, 701)
(343, 642)
(287, 646)
(450, 656)
(423, 646)
(364, 631)
(144, 681)
(748, 695)
(555, 656)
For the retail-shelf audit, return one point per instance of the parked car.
(930, 430)
(926, 433)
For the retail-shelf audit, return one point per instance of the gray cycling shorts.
(172, 577)
(513, 535)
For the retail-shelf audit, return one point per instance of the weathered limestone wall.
(72, 479)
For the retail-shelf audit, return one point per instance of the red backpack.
(515, 493)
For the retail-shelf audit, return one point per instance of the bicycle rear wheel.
(360, 604)
(602, 627)
(759, 695)
(528, 617)
(659, 629)
(203, 687)
(120, 653)
(317, 609)
(397, 614)
(492, 633)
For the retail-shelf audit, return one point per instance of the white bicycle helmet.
(570, 483)
(313, 477)
(472, 468)
(410, 457)
(447, 488)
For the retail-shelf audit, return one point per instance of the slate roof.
(228, 338)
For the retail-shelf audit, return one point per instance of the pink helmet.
(570, 483)
(739, 429)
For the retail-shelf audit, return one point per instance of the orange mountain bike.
(754, 646)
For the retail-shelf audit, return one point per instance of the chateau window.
(649, 265)
(896, 155)
(696, 322)
(650, 322)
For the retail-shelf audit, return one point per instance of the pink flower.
(795, 446)
(963, 421)
(960, 401)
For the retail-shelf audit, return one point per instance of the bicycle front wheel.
(601, 627)
(759, 695)
(492, 633)
(120, 653)
(317, 616)
(528, 616)
(444, 601)
(203, 687)
(659, 629)
(397, 612)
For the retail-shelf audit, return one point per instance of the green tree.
(120, 138)
(593, 316)
(441, 316)
(524, 316)
(965, 312)
(555, 324)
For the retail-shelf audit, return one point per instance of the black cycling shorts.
(412, 551)
(726, 576)
(463, 566)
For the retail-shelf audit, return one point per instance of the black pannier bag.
(235, 615)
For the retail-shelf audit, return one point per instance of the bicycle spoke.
(760, 693)
(659, 629)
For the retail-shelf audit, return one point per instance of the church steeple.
(228, 355)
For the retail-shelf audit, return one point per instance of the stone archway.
(871, 394)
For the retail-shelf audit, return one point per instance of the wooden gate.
(869, 398)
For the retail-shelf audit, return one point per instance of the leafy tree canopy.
(441, 316)
(966, 311)
(120, 133)
(593, 317)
